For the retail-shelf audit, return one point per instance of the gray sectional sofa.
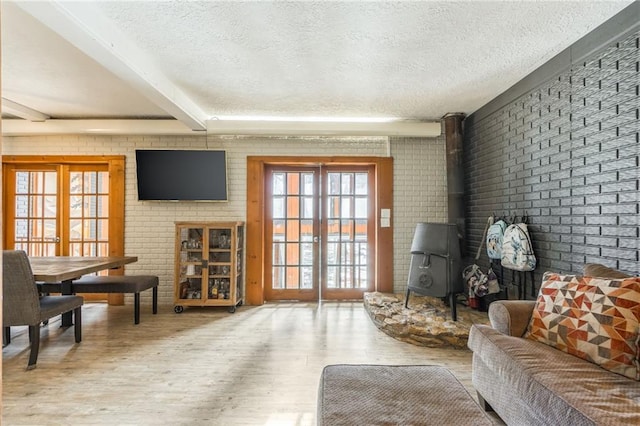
(531, 383)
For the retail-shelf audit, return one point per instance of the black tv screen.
(188, 175)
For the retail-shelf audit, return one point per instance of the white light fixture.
(102, 127)
(323, 127)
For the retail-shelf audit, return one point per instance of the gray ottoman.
(395, 395)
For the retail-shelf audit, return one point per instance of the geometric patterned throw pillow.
(597, 319)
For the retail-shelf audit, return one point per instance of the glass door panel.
(88, 212)
(292, 225)
(347, 261)
(35, 216)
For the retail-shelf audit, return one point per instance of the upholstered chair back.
(21, 305)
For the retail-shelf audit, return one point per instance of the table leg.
(67, 317)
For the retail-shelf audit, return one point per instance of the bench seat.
(112, 284)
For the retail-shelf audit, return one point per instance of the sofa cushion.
(598, 270)
(597, 319)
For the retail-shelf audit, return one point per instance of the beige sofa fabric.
(530, 383)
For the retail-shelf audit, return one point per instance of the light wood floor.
(259, 366)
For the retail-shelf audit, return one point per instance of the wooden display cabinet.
(208, 265)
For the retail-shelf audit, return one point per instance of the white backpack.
(495, 235)
(517, 250)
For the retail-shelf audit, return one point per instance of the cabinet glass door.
(219, 264)
(191, 270)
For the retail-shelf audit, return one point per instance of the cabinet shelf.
(208, 268)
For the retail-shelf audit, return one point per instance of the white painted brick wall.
(419, 187)
(419, 195)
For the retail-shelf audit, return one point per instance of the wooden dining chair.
(22, 304)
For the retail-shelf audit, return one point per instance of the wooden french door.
(319, 232)
(64, 206)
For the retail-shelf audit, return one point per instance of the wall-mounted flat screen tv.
(181, 175)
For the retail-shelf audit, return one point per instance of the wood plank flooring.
(258, 366)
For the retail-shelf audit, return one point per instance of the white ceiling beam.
(324, 128)
(83, 25)
(22, 111)
(16, 127)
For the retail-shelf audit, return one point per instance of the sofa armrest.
(511, 317)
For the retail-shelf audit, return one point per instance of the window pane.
(103, 206)
(278, 230)
(293, 277)
(277, 277)
(75, 230)
(75, 206)
(332, 277)
(293, 230)
(307, 207)
(307, 277)
(89, 229)
(103, 249)
(89, 249)
(22, 180)
(89, 206)
(333, 208)
(50, 206)
(278, 254)
(333, 230)
(49, 249)
(74, 249)
(293, 207)
(293, 183)
(306, 230)
(37, 183)
(293, 254)
(362, 249)
(346, 254)
(90, 182)
(361, 230)
(347, 183)
(35, 207)
(361, 184)
(103, 182)
(50, 229)
(22, 229)
(278, 207)
(362, 277)
(50, 182)
(278, 183)
(307, 182)
(333, 184)
(307, 254)
(345, 207)
(35, 229)
(361, 207)
(75, 182)
(22, 208)
(332, 253)
(347, 230)
(103, 230)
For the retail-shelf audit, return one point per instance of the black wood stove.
(436, 262)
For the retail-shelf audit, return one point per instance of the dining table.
(65, 269)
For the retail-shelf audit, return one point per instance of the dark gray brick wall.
(567, 155)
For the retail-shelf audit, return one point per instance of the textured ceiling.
(337, 60)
